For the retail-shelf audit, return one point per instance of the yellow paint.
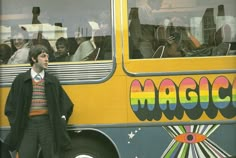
(109, 102)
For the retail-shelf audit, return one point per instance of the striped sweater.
(39, 102)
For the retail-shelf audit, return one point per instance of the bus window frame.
(188, 66)
(108, 66)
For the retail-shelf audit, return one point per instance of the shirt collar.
(33, 73)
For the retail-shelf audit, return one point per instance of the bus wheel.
(84, 147)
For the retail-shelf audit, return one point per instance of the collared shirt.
(33, 74)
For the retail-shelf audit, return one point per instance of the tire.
(84, 147)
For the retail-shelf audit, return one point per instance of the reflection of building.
(225, 26)
(50, 32)
(5, 33)
(218, 29)
(221, 10)
(208, 26)
(178, 3)
(36, 13)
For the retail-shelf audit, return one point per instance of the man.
(38, 108)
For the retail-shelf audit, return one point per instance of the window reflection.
(181, 28)
(77, 31)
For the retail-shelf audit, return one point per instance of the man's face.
(42, 61)
(18, 41)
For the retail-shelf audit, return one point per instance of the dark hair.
(62, 41)
(34, 52)
(47, 44)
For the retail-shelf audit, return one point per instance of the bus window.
(180, 28)
(77, 34)
(79, 31)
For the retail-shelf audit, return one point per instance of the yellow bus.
(162, 82)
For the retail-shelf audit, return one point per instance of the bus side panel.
(152, 142)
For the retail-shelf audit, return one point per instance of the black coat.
(18, 105)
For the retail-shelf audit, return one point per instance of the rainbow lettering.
(150, 102)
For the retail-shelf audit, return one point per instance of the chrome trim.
(197, 72)
(71, 127)
(149, 124)
(80, 73)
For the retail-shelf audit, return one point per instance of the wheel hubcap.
(83, 156)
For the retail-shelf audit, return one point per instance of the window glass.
(181, 28)
(72, 30)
